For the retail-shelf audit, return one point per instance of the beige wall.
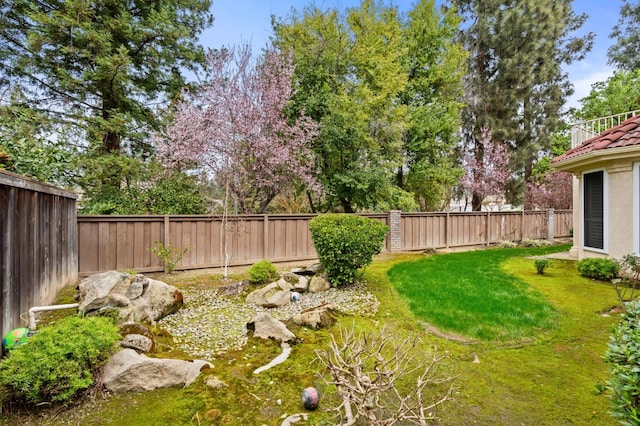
(619, 227)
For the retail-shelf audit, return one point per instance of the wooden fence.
(38, 243)
(125, 242)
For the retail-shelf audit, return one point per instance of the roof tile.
(626, 133)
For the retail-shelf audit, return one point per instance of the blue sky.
(238, 21)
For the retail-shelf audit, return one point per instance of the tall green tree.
(625, 52)
(100, 65)
(618, 94)
(383, 90)
(516, 85)
(350, 73)
(435, 64)
(96, 74)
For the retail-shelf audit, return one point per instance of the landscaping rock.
(272, 295)
(134, 298)
(215, 383)
(319, 283)
(266, 327)
(316, 317)
(137, 342)
(290, 277)
(129, 371)
(234, 289)
(302, 285)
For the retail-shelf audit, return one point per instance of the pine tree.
(515, 86)
(625, 52)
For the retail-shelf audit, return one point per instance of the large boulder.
(266, 327)
(136, 298)
(315, 318)
(272, 295)
(129, 371)
(319, 283)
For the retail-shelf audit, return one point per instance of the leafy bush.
(541, 264)
(169, 255)
(598, 268)
(345, 243)
(623, 354)
(262, 272)
(59, 360)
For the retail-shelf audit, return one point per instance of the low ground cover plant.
(623, 355)
(602, 269)
(262, 271)
(59, 360)
(541, 264)
(346, 243)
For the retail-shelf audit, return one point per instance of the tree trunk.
(346, 206)
(400, 178)
(476, 202)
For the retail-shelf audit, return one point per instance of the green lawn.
(469, 294)
(555, 378)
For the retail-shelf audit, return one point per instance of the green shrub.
(169, 255)
(59, 360)
(598, 268)
(623, 355)
(541, 264)
(262, 272)
(345, 243)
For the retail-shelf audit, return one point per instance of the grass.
(469, 294)
(551, 378)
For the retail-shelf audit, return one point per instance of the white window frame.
(605, 212)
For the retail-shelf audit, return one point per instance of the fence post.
(551, 225)
(166, 238)
(265, 236)
(395, 237)
(522, 226)
(446, 230)
(486, 228)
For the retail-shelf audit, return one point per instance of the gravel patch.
(209, 325)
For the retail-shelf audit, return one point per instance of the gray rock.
(302, 285)
(234, 289)
(271, 296)
(129, 371)
(319, 283)
(314, 269)
(315, 318)
(135, 298)
(266, 327)
(290, 277)
(215, 383)
(138, 342)
(284, 285)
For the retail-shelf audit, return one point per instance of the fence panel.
(124, 242)
(563, 222)
(38, 242)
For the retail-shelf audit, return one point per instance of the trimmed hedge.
(346, 243)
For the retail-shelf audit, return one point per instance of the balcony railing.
(584, 130)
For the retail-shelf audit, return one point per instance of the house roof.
(625, 134)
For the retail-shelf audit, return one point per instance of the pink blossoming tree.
(234, 127)
(486, 166)
(554, 192)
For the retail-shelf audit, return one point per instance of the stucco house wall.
(616, 153)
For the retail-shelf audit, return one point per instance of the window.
(594, 210)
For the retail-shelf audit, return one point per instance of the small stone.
(215, 383)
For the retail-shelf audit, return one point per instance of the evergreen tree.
(515, 86)
(625, 53)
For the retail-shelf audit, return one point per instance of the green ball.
(15, 338)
